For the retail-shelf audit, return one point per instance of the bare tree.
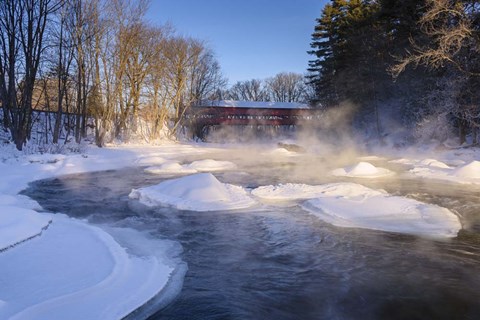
(156, 111)
(22, 33)
(182, 56)
(143, 51)
(206, 78)
(251, 90)
(126, 14)
(450, 28)
(452, 40)
(65, 55)
(100, 102)
(287, 87)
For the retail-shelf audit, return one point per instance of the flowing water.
(284, 263)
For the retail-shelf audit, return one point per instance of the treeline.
(100, 60)
(283, 87)
(415, 61)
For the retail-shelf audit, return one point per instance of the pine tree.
(326, 47)
(341, 44)
(354, 44)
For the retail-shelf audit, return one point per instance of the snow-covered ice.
(198, 192)
(170, 167)
(362, 170)
(206, 165)
(151, 160)
(432, 169)
(19, 224)
(469, 172)
(354, 205)
(433, 163)
(210, 165)
(287, 192)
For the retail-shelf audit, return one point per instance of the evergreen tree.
(354, 44)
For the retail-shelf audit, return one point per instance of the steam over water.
(284, 263)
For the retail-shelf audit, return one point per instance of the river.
(284, 263)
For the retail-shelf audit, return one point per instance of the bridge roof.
(252, 104)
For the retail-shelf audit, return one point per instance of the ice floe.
(171, 167)
(198, 192)
(354, 205)
(211, 165)
(151, 160)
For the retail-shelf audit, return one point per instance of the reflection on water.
(283, 263)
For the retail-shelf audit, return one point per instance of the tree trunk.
(462, 131)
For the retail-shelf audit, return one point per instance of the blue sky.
(252, 39)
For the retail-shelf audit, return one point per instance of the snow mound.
(370, 209)
(94, 278)
(281, 152)
(198, 192)
(211, 165)
(362, 170)
(19, 224)
(434, 163)
(469, 171)
(169, 167)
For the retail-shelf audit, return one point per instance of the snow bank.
(210, 165)
(18, 225)
(94, 277)
(73, 270)
(354, 205)
(362, 170)
(199, 192)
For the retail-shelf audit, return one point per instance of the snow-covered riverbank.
(56, 267)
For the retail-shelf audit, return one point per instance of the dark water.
(283, 263)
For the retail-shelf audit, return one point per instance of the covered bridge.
(248, 113)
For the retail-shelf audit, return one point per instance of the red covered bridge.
(230, 112)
